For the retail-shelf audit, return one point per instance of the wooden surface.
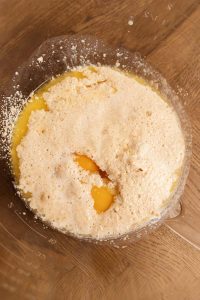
(39, 263)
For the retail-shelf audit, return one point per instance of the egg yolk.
(86, 163)
(103, 198)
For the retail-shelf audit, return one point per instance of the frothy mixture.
(97, 153)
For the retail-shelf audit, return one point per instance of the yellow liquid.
(86, 163)
(102, 196)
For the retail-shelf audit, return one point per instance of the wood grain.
(39, 263)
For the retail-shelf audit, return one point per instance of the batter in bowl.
(97, 152)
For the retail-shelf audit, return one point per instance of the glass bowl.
(62, 53)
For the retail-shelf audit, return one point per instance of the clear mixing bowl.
(60, 54)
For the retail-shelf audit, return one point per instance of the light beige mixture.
(126, 128)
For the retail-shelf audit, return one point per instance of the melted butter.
(92, 69)
(173, 186)
(175, 183)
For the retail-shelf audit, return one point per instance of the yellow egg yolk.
(86, 163)
(103, 198)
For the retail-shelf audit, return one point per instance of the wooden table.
(39, 263)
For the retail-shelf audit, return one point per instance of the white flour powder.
(126, 128)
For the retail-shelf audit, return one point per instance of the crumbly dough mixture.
(126, 128)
